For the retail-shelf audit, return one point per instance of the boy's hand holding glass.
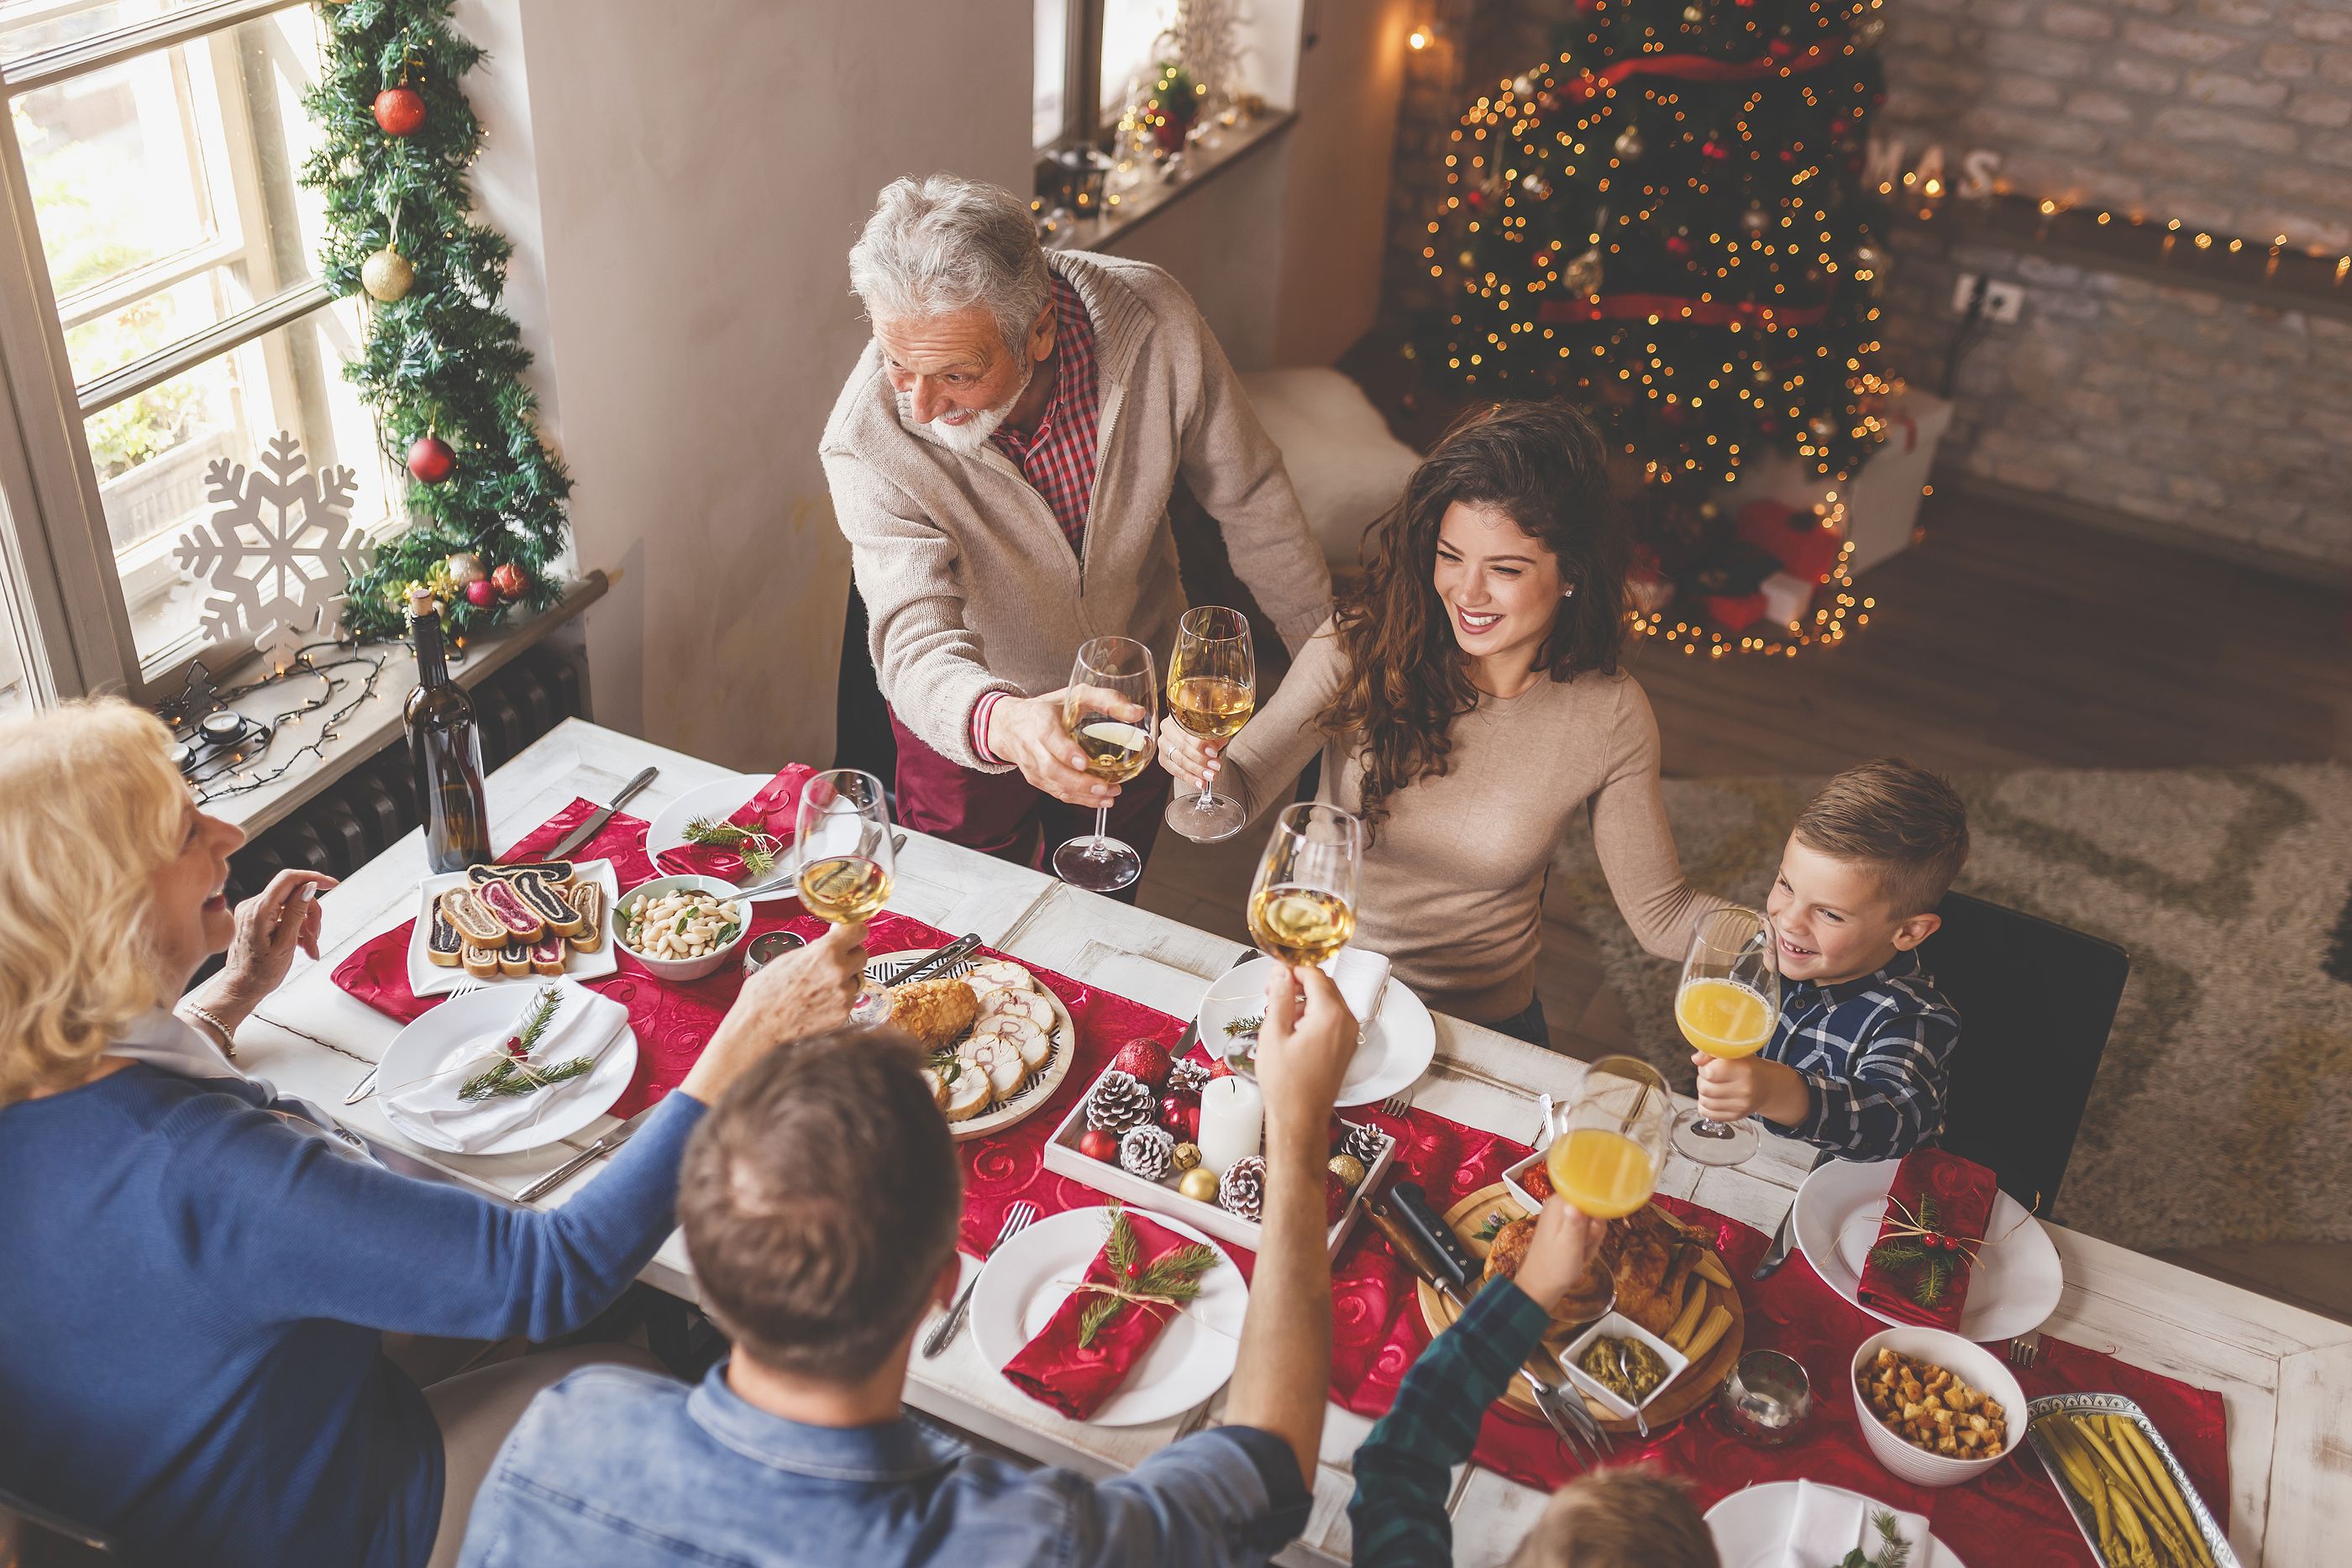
(1752, 1086)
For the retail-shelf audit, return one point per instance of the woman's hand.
(271, 927)
(807, 991)
(1566, 1238)
(1192, 760)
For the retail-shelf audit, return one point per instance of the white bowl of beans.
(681, 927)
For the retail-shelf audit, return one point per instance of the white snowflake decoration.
(280, 548)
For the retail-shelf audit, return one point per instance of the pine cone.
(1119, 1101)
(1147, 1151)
(1242, 1187)
(1188, 1077)
(1365, 1142)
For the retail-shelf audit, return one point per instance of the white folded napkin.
(585, 1024)
(1360, 976)
(1829, 1521)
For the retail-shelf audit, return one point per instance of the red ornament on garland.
(430, 459)
(481, 594)
(509, 581)
(399, 111)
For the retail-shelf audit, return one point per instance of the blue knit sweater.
(191, 1293)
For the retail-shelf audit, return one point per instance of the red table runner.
(2012, 1515)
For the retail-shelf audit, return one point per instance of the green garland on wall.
(442, 368)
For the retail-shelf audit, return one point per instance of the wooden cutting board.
(1693, 1388)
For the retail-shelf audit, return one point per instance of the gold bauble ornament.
(1629, 144)
(1199, 1184)
(1348, 1169)
(387, 275)
(1583, 276)
(1183, 1157)
(465, 566)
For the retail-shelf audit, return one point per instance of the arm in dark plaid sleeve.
(1892, 1099)
(1402, 1469)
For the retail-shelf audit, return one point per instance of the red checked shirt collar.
(1058, 457)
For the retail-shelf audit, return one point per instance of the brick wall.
(2172, 407)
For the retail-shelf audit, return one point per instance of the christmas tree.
(1668, 226)
(442, 367)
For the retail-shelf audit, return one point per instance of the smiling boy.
(1859, 1061)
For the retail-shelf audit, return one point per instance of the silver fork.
(366, 1086)
(1397, 1104)
(2026, 1348)
(1017, 1219)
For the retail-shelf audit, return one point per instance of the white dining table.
(2283, 1373)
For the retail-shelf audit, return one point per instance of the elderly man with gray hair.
(1001, 461)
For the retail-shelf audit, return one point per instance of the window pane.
(165, 185)
(28, 26)
(1053, 44)
(150, 453)
(14, 694)
(1132, 30)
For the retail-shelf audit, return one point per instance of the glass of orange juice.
(1727, 1006)
(1605, 1160)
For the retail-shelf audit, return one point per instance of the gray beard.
(972, 433)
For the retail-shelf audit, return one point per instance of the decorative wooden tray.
(1693, 1388)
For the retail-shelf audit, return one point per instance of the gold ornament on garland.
(465, 566)
(387, 276)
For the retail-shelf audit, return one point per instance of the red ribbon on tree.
(1701, 68)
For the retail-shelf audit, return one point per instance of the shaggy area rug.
(2224, 1101)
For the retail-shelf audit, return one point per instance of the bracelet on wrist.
(211, 1020)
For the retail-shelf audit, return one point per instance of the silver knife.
(578, 1161)
(588, 830)
(1783, 1239)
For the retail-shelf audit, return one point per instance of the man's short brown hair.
(821, 1199)
(1618, 1519)
(1901, 818)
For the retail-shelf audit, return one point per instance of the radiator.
(348, 825)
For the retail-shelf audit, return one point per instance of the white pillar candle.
(1232, 1116)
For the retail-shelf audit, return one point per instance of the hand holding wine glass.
(846, 860)
(1110, 709)
(1211, 691)
(1728, 1007)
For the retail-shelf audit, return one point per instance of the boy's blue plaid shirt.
(1877, 1053)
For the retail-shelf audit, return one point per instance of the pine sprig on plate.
(514, 1072)
(1894, 1550)
(758, 850)
(1171, 1279)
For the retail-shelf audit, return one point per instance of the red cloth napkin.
(1054, 1369)
(1963, 1191)
(774, 811)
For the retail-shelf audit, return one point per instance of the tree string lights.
(1669, 226)
(234, 766)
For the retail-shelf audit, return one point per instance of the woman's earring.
(1568, 593)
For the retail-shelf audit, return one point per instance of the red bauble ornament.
(430, 459)
(1144, 1059)
(1097, 1144)
(1714, 150)
(1181, 1116)
(1334, 1199)
(509, 581)
(480, 594)
(399, 111)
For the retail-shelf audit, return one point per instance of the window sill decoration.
(442, 367)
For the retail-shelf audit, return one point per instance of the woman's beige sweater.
(1452, 884)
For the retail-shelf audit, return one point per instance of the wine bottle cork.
(420, 602)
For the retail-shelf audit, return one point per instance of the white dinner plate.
(2013, 1287)
(423, 1046)
(1751, 1527)
(1395, 1051)
(714, 802)
(427, 978)
(1025, 1280)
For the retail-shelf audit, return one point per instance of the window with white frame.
(1090, 53)
(169, 302)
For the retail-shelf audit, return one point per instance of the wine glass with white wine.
(1111, 677)
(1302, 906)
(843, 839)
(1211, 691)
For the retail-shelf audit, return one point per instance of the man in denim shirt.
(821, 1201)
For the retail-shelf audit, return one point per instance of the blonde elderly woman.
(195, 1281)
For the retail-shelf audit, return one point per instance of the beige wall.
(682, 194)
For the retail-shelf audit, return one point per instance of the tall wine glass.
(1613, 1142)
(1211, 690)
(1727, 1006)
(1302, 906)
(1108, 672)
(843, 837)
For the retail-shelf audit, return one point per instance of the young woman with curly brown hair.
(1468, 704)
